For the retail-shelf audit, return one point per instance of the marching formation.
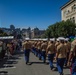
(59, 50)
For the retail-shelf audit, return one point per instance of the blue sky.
(30, 13)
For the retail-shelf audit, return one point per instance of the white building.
(68, 11)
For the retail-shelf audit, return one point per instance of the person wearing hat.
(43, 50)
(51, 52)
(36, 51)
(32, 45)
(68, 50)
(57, 43)
(27, 48)
(61, 55)
(72, 56)
(39, 49)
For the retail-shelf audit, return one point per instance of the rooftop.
(68, 3)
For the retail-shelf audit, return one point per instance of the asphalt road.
(16, 66)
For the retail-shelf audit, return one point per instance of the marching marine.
(61, 55)
(72, 57)
(27, 48)
(51, 53)
(43, 49)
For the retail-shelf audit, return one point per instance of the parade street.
(16, 66)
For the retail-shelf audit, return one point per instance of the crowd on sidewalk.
(9, 47)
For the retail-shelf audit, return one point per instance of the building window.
(72, 19)
(74, 7)
(66, 12)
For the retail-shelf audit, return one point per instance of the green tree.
(63, 28)
(2, 33)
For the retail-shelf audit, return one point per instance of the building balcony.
(69, 14)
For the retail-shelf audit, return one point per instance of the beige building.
(68, 11)
(36, 33)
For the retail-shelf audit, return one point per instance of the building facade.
(68, 11)
(36, 33)
(26, 33)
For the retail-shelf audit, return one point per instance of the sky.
(30, 13)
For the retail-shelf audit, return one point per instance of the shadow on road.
(20, 53)
(66, 67)
(39, 63)
(3, 72)
(9, 62)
